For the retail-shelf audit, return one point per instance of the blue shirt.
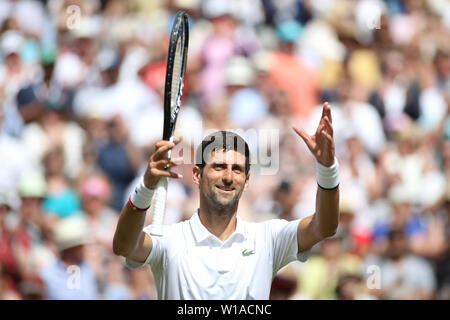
(63, 282)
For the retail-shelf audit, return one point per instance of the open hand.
(159, 164)
(321, 144)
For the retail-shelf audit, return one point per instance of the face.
(31, 208)
(398, 246)
(75, 254)
(3, 213)
(93, 205)
(331, 248)
(223, 179)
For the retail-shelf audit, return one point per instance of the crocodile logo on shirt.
(246, 253)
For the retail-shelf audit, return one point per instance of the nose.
(228, 176)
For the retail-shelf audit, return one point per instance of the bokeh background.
(81, 87)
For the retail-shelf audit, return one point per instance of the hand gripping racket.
(176, 69)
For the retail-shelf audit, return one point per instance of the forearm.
(327, 199)
(324, 222)
(129, 238)
(128, 230)
(326, 218)
(131, 220)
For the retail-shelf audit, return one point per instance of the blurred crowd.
(81, 107)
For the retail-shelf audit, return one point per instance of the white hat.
(261, 61)
(400, 193)
(88, 27)
(32, 185)
(239, 71)
(11, 42)
(9, 199)
(216, 8)
(71, 232)
(187, 4)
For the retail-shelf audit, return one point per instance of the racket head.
(175, 72)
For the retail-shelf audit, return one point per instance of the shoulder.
(271, 226)
(175, 230)
(50, 271)
(416, 262)
(278, 224)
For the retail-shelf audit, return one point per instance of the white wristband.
(141, 197)
(328, 177)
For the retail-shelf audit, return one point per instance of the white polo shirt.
(189, 262)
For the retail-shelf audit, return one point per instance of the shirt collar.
(202, 234)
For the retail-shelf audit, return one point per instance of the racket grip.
(159, 207)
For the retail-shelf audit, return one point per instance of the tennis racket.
(176, 69)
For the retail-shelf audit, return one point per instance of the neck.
(221, 223)
(69, 260)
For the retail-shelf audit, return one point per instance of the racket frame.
(179, 29)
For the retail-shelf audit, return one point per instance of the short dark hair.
(222, 140)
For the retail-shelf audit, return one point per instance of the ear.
(247, 179)
(196, 174)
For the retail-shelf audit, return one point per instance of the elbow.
(328, 232)
(119, 250)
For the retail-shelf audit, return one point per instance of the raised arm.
(324, 222)
(129, 239)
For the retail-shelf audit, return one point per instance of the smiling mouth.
(225, 189)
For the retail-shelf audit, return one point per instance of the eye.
(219, 166)
(237, 169)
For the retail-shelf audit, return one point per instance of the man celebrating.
(215, 254)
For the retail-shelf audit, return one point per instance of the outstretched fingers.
(163, 163)
(165, 173)
(328, 136)
(162, 150)
(326, 111)
(329, 112)
(304, 135)
(162, 147)
(328, 126)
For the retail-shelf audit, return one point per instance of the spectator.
(320, 276)
(61, 201)
(351, 287)
(247, 106)
(441, 256)
(6, 293)
(83, 107)
(95, 195)
(70, 277)
(54, 130)
(18, 160)
(282, 288)
(34, 97)
(118, 159)
(404, 275)
(15, 244)
(291, 74)
(36, 223)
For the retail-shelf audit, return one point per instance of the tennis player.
(215, 254)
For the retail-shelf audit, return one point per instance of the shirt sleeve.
(425, 278)
(155, 256)
(285, 244)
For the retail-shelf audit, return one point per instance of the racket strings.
(177, 76)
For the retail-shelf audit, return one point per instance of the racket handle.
(159, 207)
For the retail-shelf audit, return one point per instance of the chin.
(224, 203)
